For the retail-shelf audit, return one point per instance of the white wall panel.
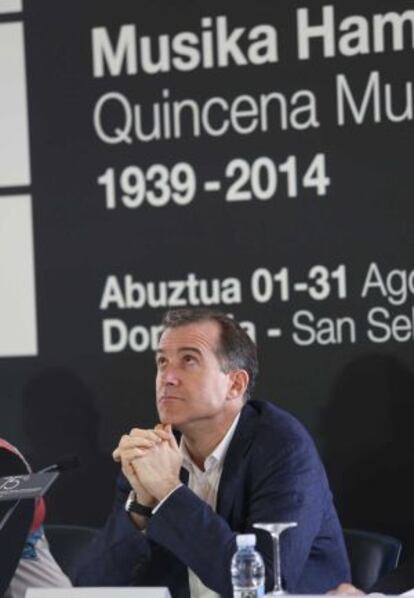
(18, 334)
(14, 135)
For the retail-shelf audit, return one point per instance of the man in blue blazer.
(179, 506)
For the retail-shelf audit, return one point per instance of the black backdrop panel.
(251, 156)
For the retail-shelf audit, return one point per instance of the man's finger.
(116, 454)
(133, 453)
(127, 444)
(137, 433)
(163, 431)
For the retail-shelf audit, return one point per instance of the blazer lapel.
(233, 462)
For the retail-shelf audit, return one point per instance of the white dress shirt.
(205, 484)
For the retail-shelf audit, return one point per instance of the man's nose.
(170, 376)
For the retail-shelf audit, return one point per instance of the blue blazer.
(271, 473)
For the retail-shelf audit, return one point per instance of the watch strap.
(133, 506)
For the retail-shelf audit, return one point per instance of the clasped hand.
(151, 462)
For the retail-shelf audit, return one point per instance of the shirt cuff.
(155, 509)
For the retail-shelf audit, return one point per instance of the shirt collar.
(217, 456)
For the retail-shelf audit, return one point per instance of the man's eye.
(189, 359)
(160, 362)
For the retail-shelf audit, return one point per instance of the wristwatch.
(133, 506)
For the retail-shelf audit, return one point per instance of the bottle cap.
(245, 540)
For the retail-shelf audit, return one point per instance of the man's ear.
(239, 381)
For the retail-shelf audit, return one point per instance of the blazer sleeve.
(119, 550)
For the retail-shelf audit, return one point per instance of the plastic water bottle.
(247, 569)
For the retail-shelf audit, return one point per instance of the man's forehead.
(198, 335)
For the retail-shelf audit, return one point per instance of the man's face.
(190, 384)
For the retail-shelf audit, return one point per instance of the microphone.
(63, 465)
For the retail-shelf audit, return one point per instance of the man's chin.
(169, 418)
